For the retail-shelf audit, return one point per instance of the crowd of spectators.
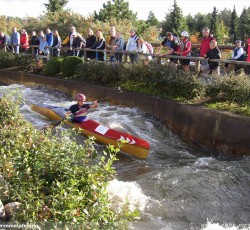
(114, 44)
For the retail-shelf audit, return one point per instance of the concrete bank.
(214, 130)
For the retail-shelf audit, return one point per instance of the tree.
(225, 16)
(174, 21)
(233, 25)
(222, 34)
(55, 5)
(244, 24)
(214, 25)
(152, 20)
(118, 9)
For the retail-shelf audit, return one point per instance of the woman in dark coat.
(90, 41)
(99, 45)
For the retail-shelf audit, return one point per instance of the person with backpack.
(172, 43)
(238, 55)
(145, 48)
(132, 46)
(184, 50)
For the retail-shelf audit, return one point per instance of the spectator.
(34, 41)
(41, 37)
(24, 41)
(43, 47)
(205, 47)
(185, 50)
(118, 46)
(143, 48)
(238, 55)
(56, 44)
(15, 41)
(110, 42)
(49, 37)
(172, 43)
(213, 53)
(132, 46)
(90, 41)
(4, 40)
(78, 43)
(99, 45)
(248, 50)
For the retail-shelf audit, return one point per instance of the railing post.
(197, 66)
(125, 57)
(33, 51)
(85, 55)
(158, 60)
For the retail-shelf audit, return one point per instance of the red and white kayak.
(105, 135)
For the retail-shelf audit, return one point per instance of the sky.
(24, 8)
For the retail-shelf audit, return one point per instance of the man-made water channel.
(178, 186)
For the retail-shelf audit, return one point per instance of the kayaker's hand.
(94, 104)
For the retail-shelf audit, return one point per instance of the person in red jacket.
(24, 41)
(248, 50)
(184, 50)
(205, 44)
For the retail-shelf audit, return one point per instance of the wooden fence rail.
(196, 60)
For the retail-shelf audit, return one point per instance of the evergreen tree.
(233, 25)
(201, 21)
(225, 16)
(174, 21)
(118, 9)
(214, 22)
(244, 24)
(55, 5)
(152, 20)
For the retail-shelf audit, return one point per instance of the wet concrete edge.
(214, 130)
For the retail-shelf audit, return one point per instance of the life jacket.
(183, 47)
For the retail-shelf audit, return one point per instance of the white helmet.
(184, 33)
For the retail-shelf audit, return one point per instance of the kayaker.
(79, 110)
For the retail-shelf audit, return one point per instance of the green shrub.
(53, 66)
(7, 59)
(70, 65)
(55, 179)
(232, 89)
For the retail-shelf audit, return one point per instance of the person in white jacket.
(132, 46)
(237, 55)
(142, 47)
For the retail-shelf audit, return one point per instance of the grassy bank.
(57, 181)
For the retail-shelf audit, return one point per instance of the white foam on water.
(126, 193)
(204, 161)
(217, 226)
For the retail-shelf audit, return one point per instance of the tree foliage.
(233, 25)
(214, 23)
(118, 9)
(152, 20)
(55, 5)
(244, 24)
(174, 20)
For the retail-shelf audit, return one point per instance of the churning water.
(179, 186)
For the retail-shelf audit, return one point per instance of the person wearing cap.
(79, 110)
(184, 50)
(237, 55)
(132, 46)
(172, 43)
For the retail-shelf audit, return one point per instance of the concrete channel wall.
(213, 130)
